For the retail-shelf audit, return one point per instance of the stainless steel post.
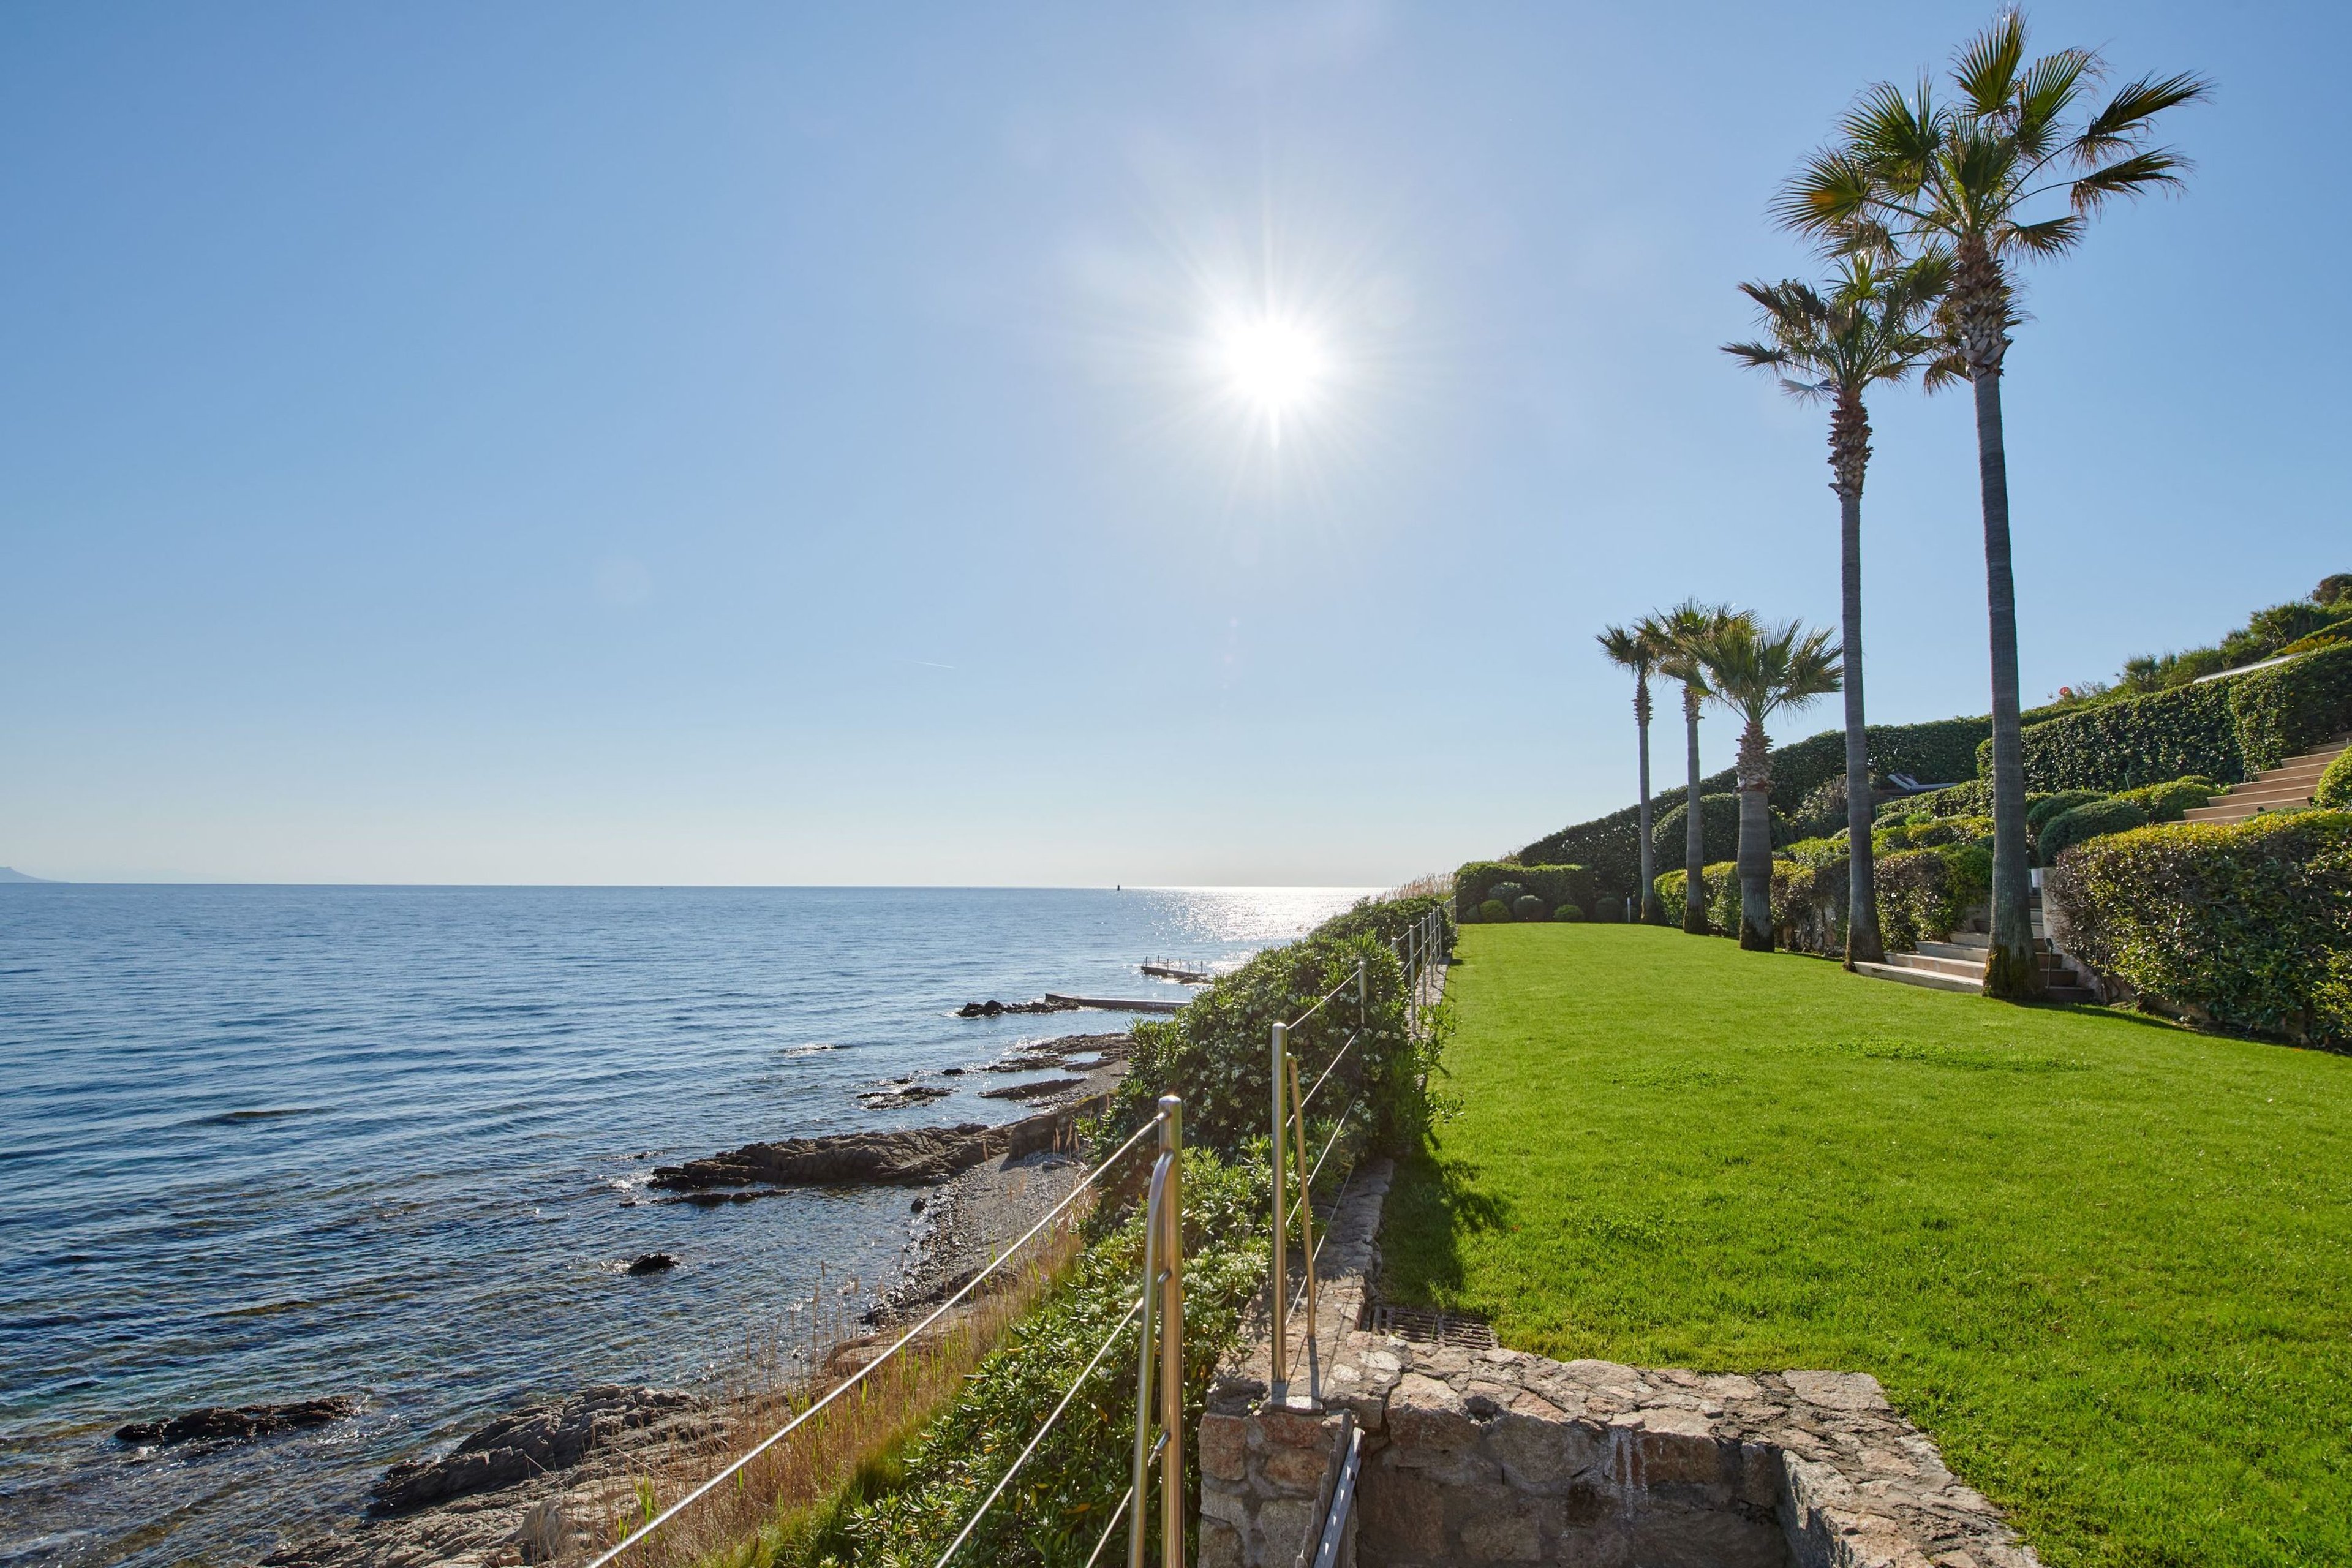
(1278, 1277)
(1171, 1336)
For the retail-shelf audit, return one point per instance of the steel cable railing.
(1164, 1191)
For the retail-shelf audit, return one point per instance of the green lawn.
(2106, 1262)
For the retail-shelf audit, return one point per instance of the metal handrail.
(1163, 1245)
(646, 1529)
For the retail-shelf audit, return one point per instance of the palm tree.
(1756, 671)
(1967, 179)
(1872, 327)
(1635, 651)
(1678, 633)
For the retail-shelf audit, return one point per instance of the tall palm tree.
(1756, 671)
(1970, 179)
(1872, 327)
(1678, 633)
(1635, 651)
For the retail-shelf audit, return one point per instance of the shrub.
(2248, 925)
(2168, 802)
(1720, 816)
(2290, 709)
(2334, 789)
(1925, 832)
(1916, 901)
(1608, 909)
(1973, 798)
(1719, 884)
(2223, 729)
(1480, 881)
(1822, 812)
(1817, 852)
(1565, 912)
(1527, 907)
(1494, 909)
(2039, 813)
(2094, 820)
(1809, 906)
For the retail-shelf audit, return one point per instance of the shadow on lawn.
(1432, 1205)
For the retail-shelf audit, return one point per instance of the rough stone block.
(1225, 1447)
(1403, 1516)
(1297, 1470)
(1295, 1429)
(1667, 1537)
(1282, 1527)
(1671, 1458)
(1507, 1535)
(1425, 1413)
(1541, 1457)
(1221, 1546)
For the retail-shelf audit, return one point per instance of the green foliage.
(2222, 731)
(1494, 909)
(2334, 789)
(1972, 798)
(1918, 897)
(1565, 912)
(2099, 1260)
(1720, 883)
(1822, 812)
(2038, 812)
(1481, 881)
(2248, 924)
(2168, 802)
(2094, 820)
(904, 1514)
(1925, 832)
(1935, 752)
(1719, 820)
(2290, 709)
(1817, 852)
(1385, 920)
(1608, 909)
(1527, 907)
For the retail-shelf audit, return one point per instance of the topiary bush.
(1527, 907)
(1607, 909)
(1973, 798)
(2134, 740)
(2169, 801)
(1567, 912)
(1931, 832)
(1720, 816)
(1494, 909)
(2099, 817)
(2291, 709)
(2334, 790)
(1479, 880)
(2245, 924)
(2038, 813)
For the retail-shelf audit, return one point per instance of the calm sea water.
(269, 1143)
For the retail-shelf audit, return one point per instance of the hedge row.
(2247, 925)
(2223, 729)
(1923, 896)
(1474, 883)
(1940, 752)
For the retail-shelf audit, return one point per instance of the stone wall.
(1494, 1456)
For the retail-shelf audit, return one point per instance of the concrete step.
(1969, 967)
(2297, 791)
(1973, 952)
(1933, 980)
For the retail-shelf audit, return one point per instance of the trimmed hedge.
(1479, 881)
(2171, 802)
(2095, 820)
(1720, 882)
(2223, 730)
(2244, 924)
(2334, 789)
(1719, 820)
(2038, 813)
(1939, 752)
(1971, 798)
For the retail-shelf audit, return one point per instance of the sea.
(267, 1143)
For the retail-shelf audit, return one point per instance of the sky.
(599, 442)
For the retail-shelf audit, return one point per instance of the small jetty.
(1179, 969)
(1116, 1004)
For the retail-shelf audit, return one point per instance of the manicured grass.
(2106, 1262)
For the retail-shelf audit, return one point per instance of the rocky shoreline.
(519, 1489)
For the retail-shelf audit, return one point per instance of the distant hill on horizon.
(10, 874)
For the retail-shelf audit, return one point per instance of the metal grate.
(1425, 1327)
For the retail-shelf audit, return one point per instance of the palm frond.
(1893, 136)
(1832, 191)
(2133, 177)
(2051, 236)
(1985, 71)
(1630, 648)
(2124, 119)
(2048, 89)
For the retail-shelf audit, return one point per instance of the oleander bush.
(2247, 925)
(2334, 790)
(1481, 881)
(2097, 818)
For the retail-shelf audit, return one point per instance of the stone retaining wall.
(1494, 1456)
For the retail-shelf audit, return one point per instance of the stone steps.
(2288, 784)
(1957, 964)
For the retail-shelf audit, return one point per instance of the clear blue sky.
(744, 443)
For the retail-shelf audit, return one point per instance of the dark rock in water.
(218, 1423)
(525, 1443)
(917, 1206)
(915, 1157)
(654, 1263)
(902, 1094)
(1041, 1091)
(992, 1008)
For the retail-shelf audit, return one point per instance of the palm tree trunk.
(2010, 970)
(1864, 944)
(1693, 829)
(1755, 840)
(1652, 912)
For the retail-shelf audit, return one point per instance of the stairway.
(2289, 783)
(1957, 964)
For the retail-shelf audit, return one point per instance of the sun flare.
(1273, 364)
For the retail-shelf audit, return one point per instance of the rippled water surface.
(269, 1143)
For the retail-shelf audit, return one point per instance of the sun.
(1275, 364)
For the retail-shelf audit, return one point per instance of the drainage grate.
(1423, 1326)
